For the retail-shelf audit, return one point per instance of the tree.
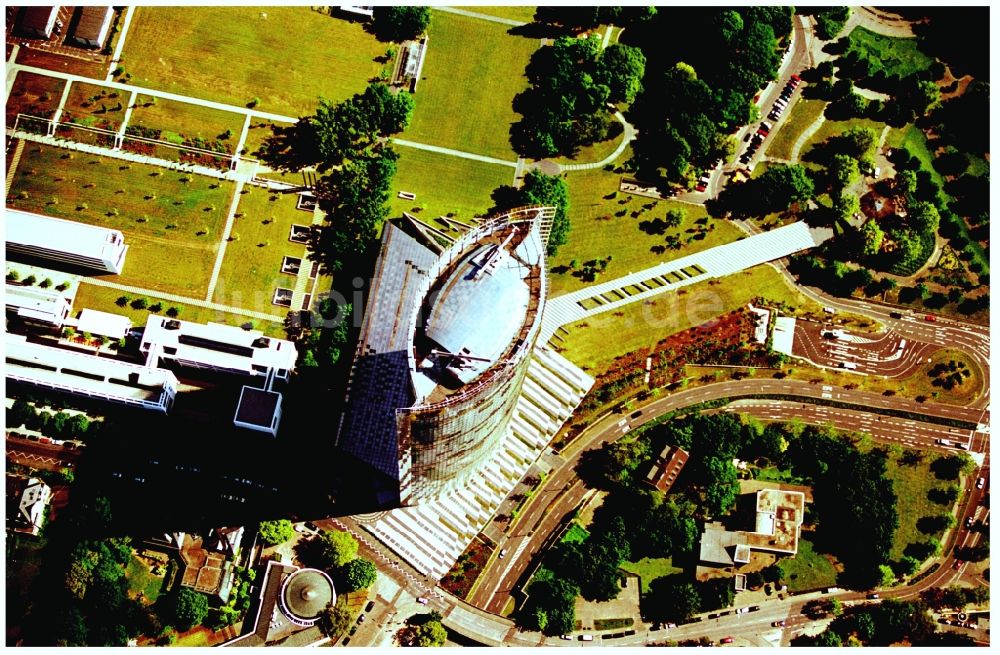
(276, 532)
(540, 189)
(722, 485)
(335, 620)
(359, 574)
(672, 599)
(621, 68)
(888, 576)
(429, 634)
(716, 594)
(396, 23)
(190, 608)
(337, 547)
(872, 237)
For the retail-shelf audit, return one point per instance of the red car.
(726, 640)
(795, 77)
(930, 317)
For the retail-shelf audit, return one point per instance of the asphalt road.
(887, 355)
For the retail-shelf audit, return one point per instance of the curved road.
(562, 492)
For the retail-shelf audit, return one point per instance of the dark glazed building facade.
(445, 346)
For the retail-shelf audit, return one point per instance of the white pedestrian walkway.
(712, 263)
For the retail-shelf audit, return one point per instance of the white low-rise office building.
(88, 375)
(37, 305)
(66, 242)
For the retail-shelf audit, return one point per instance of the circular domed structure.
(305, 594)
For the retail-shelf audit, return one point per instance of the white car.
(422, 600)
(980, 483)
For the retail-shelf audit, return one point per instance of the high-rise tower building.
(443, 352)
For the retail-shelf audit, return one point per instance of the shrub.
(30, 280)
(173, 311)
(156, 307)
(46, 283)
(140, 303)
(13, 276)
(62, 286)
(123, 301)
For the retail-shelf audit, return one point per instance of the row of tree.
(884, 624)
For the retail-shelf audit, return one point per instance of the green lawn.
(444, 185)
(808, 569)
(185, 119)
(641, 325)
(142, 581)
(251, 269)
(650, 568)
(258, 132)
(596, 232)
(898, 56)
(472, 71)
(804, 114)
(90, 104)
(525, 14)
(172, 227)
(286, 56)
(104, 299)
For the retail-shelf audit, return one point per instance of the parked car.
(980, 483)
(958, 564)
(873, 596)
(370, 606)
(503, 552)
(930, 317)
(778, 624)
(361, 618)
(726, 640)
(969, 522)
(586, 637)
(422, 600)
(895, 315)
(743, 610)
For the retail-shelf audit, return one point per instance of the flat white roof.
(784, 334)
(57, 234)
(34, 362)
(215, 344)
(36, 303)
(104, 323)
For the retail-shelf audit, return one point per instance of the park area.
(95, 106)
(651, 568)
(472, 71)
(287, 57)
(630, 228)
(897, 56)
(807, 570)
(172, 221)
(252, 267)
(444, 186)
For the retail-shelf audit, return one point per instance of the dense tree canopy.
(539, 189)
(399, 23)
(190, 608)
(276, 532)
(337, 547)
(359, 574)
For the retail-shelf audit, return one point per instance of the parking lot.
(888, 355)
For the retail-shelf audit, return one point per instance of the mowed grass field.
(251, 268)
(286, 56)
(472, 71)
(104, 299)
(444, 185)
(172, 227)
(651, 568)
(597, 232)
(643, 323)
(183, 119)
(804, 114)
